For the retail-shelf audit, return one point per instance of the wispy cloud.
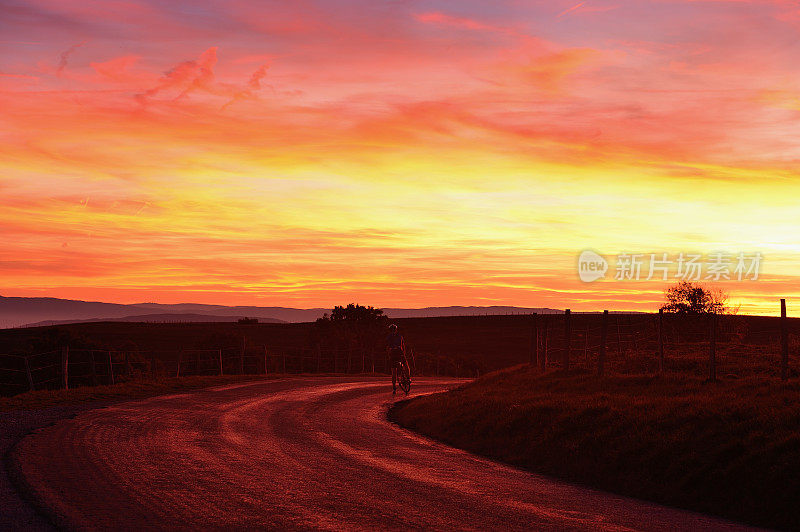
(586, 7)
(571, 9)
(64, 57)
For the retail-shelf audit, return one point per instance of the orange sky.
(417, 153)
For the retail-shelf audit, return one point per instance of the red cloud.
(461, 22)
(62, 61)
(118, 69)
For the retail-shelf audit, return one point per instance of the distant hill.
(159, 318)
(19, 311)
(431, 312)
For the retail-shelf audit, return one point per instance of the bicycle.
(404, 377)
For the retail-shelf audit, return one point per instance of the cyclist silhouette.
(396, 351)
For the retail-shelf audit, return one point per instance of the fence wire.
(462, 347)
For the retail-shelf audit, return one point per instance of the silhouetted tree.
(354, 313)
(689, 298)
(360, 329)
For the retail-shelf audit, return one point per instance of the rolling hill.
(22, 311)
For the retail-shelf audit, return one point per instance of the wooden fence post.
(180, 356)
(601, 359)
(567, 337)
(712, 351)
(28, 373)
(661, 340)
(284, 362)
(784, 342)
(65, 365)
(94, 370)
(241, 357)
(546, 355)
(319, 359)
(534, 340)
(265, 360)
(219, 357)
(111, 368)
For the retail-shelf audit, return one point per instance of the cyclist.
(396, 351)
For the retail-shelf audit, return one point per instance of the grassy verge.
(127, 390)
(729, 448)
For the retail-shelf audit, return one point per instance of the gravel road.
(301, 453)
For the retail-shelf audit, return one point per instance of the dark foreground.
(728, 448)
(311, 453)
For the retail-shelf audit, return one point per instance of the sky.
(396, 153)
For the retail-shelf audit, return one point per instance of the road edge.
(28, 505)
(25, 504)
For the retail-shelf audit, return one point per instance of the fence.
(647, 343)
(65, 368)
(710, 345)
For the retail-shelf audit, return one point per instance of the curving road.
(305, 453)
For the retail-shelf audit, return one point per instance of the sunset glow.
(397, 154)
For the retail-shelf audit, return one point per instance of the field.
(729, 448)
(446, 346)
(102, 353)
(127, 390)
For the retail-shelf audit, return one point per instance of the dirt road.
(305, 453)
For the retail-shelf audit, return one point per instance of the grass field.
(459, 346)
(127, 390)
(463, 346)
(730, 448)
(468, 344)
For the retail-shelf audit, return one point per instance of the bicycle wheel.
(405, 380)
